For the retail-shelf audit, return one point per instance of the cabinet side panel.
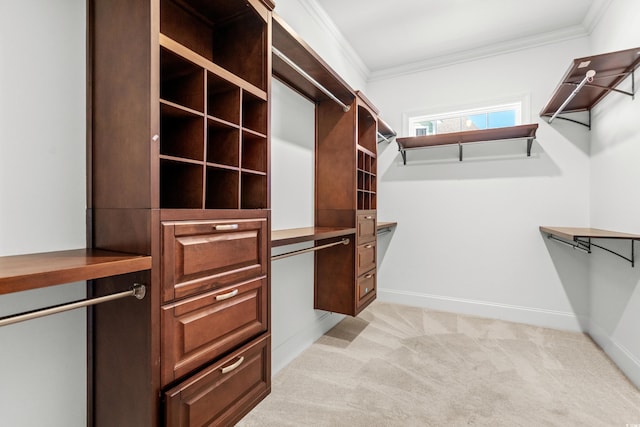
(121, 356)
(335, 278)
(121, 96)
(335, 157)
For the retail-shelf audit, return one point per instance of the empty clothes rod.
(139, 291)
(311, 80)
(588, 78)
(344, 241)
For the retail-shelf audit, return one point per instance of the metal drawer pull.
(368, 217)
(368, 246)
(228, 295)
(224, 227)
(230, 368)
(368, 276)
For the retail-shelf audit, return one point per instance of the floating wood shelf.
(527, 132)
(307, 234)
(575, 237)
(291, 236)
(32, 271)
(610, 70)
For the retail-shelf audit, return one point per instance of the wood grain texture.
(572, 233)
(611, 69)
(307, 234)
(25, 272)
(511, 132)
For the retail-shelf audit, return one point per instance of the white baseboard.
(628, 363)
(292, 346)
(532, 316)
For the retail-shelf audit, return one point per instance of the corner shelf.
(576, 92)
(527, 132)
(574, 237)
(33, 271)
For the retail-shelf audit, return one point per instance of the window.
(485, 117)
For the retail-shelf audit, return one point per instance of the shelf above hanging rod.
(343, 241)
(575, 237)
(139, 291)
(310, 79)
(588, 78)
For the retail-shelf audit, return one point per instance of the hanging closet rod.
(138, 291)
(344, 241)
(588, 78)
(309, 78)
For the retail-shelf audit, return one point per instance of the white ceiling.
(394, 36)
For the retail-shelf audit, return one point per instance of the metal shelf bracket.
(585, 245)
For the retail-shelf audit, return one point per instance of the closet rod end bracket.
(139, 290)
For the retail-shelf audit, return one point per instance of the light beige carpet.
(404, 366)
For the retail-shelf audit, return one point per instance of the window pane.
(500, 119)
(449, 125)
(475, 121)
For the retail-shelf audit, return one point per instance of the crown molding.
(495, 49)
(324, 21)
(595, 13)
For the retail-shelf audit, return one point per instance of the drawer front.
(203, 255)
(366, 257)
(366, 226)
(199, 329)
(366, 289)
(224, 392)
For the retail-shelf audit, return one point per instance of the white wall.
(43, 202)
(615, 205)
(467, 238)
(295, 324)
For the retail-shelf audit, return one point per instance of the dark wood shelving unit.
(520, 132)
(575, 237)
(180, 142)
(611, 69)
(32, 271)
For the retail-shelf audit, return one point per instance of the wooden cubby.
(223, 99)
(223, 143)
(179, 108)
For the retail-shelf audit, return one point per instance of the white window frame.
(519, 102)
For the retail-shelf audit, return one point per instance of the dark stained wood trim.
(511, 132)
(307, 234)
(32, 271)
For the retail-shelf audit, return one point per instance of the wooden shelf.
(32, 271)
(611, 69)
(576, 238)
(297, 50)
(385, 225)
(385, 132)
(307, 234)
(512, 132)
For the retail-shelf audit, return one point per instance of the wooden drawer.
(224, 392)
(366, 258)
(366, 226)
(366, 289)
(199, 329)
(204, 255)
